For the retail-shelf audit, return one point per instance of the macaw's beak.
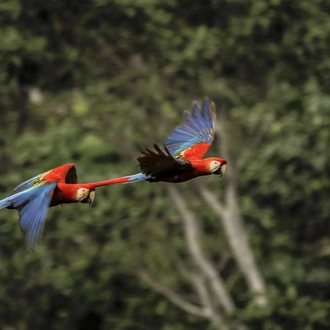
(221, 170)
(91, 197)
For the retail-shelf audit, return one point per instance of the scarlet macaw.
(33, 197)
(181, 159)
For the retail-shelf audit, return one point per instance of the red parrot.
(33, 197)
(181, 158)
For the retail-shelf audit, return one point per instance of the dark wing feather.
(71, 175)
(161, 162)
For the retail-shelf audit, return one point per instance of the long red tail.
(122, 180)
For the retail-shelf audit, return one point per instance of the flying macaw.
(33, 197)
(181, 158)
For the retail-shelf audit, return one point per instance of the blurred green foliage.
(91, 82)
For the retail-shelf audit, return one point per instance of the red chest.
(63, 196)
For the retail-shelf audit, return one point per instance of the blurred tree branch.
(233, 223)
(248, 153)
(171, 295)
(192, 235)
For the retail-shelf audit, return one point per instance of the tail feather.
(137, 178)
(122, 180)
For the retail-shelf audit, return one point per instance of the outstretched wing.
(160, 163)
(33, 182)
(65, 174)
(32, 205)
(194, 137)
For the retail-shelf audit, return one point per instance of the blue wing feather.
(32, 205)
(4, 203)
(198, 127)
(192, 122)
(197, 113)
(206, 112)
(33, 182)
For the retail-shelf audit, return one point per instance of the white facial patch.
(82, 193)
(214, 166)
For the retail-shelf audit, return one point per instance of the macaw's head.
(85, 195)
(217, 166)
